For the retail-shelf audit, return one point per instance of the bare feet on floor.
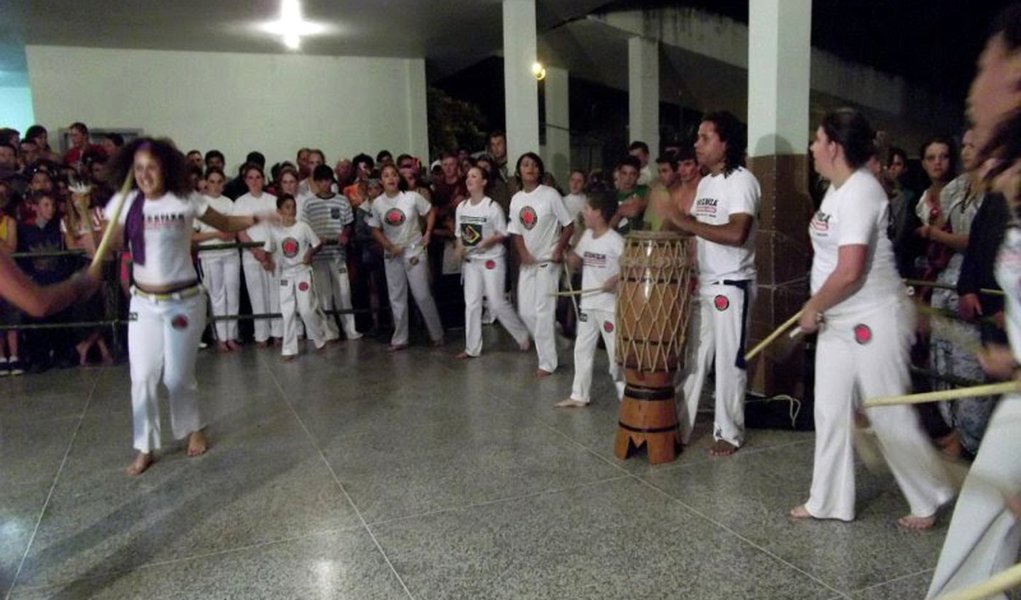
(541, 373)
(919, 523)
(463, 356)
(571, 403)
(722, 448)
(800, 512)
(222, 347)
(288, 357)
(142, 462)
(397, 347)
(233, 345)
(197, 444)
(83, 354)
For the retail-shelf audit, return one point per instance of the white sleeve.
(857, 220)
(347, 215)
(560, 210)
(583, 243)
(373, 218)
(270, 244)
(743, 194)
(111, 206)
(512, 224)
(457, 220)
(499, 221)
(313, 239)
(421, 204)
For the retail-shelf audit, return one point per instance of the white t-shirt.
(477, 222)
(538, 216)
(224, 206)
(289, 245)
(1008, 275)
(855, 214)
(601, 261)
(574, 203)
(398, 217)
(716, 199)
(250, 205)
(169, 223)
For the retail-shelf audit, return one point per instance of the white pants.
(984, 535)
(298, 296)
(221, 276)
(859, 357)
(689, 381)
(411, 271)
(591, 325)
(485, 277)
(163, 339)
(722, 321)
(263, 295)
(537, 306)
(334, 291)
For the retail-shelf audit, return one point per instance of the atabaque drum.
(653, 298)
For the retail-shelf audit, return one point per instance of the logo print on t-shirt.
(179, 322)
(721, 303)
(303, 286)
(607, 327)
(490, 264)
(394, 217)
(471, 233)
(334, 213)
(862, 334)
(820, 221)
(528, 217)
(289, 247)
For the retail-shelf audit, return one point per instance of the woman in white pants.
(480, 230)
(541, 227)
(259, 279)
(984, 534)
(864, 343)
(395, 226)
(168, 306)
(221, 269)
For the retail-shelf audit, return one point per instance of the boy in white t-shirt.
(598, 253)
(293, 244)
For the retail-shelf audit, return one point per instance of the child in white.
(480, 230)
(541, 226)
(293, 244)
(221, 269)
(598, 252)
(395, 226)
(258, 278)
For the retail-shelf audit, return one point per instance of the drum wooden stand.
(652, 316)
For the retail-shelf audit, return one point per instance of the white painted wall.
(16, 108)
(274, 103)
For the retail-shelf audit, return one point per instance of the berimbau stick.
(772, 337)
(1003, 581)
(104, 244)
(992, 389)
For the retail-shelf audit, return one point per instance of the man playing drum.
(723, 219)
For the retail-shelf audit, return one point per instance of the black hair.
(604, 201)
(382, 153)
(190, 152)
(116, 138)
(82, 127)
(639, 145)
(363, 158)
(35, 131)
(402, 184)
(284, 198)
(630, 161)
(951, 147)
(256, 157)
(896, 151)
(215, 171)
(322, 173)
(497, 133)
(732, 132)
(849, 128)
(214, 154)
(404, 157)
(249, 166)
(172, 163)
(686, 151)
(668, 159)
(322, 156)
(536, 159)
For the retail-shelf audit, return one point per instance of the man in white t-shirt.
(723, 220)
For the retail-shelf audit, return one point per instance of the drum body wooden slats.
(652, 316)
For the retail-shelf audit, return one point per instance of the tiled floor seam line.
(497, 501)
(889, 581)
(742, 538)
(170, 561)
(336, 480)
(53, 486)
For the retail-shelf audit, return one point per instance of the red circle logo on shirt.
(179, 322)
(607, 327)
(395, 217)
(289, 247)
(490, 264)
(528, 217)
(721, 303)
(862, 334)
(303, 286)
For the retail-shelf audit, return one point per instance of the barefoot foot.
(233, 345)
(222, 347)
(138, 466)
(463, 356)
(571, 403)
(917, 523)
(800, 512)
(197, 444)
(722, 448)
(541, 373)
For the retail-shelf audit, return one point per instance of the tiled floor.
(361, 474)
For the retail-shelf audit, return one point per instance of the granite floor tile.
(32, 450)
(105, 522)
(617, 539)
(20, 507)
(909, 586)
(752, 494)
(342, 564)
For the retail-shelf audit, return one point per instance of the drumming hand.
(997, 361)
(810, 318)
(610, 285)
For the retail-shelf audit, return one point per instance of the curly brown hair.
(172, 163)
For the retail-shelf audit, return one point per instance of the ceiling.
(449, 33)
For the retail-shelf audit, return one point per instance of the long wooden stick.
(772, 337)
(991, 389)
(104, 244)
(949, 286)
(1001, 582)
(578, 292)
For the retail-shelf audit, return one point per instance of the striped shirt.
(328, 217)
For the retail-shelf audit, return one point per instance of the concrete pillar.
(418, 114)
(521, 91)
(557, 152)
(779, 55)
(643, 93)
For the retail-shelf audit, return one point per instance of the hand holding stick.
(772, 337)
(104, 244)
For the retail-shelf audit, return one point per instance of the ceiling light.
(539, 71)
(291, 26)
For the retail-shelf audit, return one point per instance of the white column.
(779, 67)
(557, 155)
(643, 92)
(521, 92)
(418, 113)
